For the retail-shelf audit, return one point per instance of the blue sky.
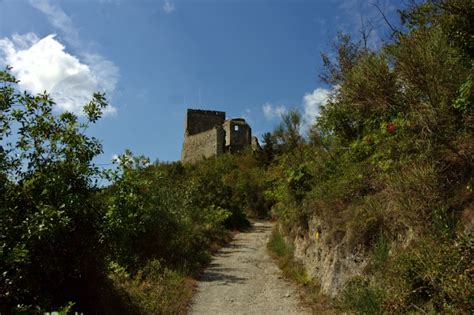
(252, 59)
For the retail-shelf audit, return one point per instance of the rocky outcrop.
(330, 262)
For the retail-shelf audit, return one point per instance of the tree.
(50, 249)
(287, 134)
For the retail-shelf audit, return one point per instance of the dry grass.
(282, 253)
(156, 290)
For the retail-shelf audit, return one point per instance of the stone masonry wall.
(203, 145)
(208, 133)
(238, 135)
(198, 120)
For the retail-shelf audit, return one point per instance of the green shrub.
(155, 289)
(390, 163)
(381, 251)
(361, 297)
(283, 254)
(279, 246)
(50, 238)
(433, 274)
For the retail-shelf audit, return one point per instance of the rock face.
(329, 262)
(208, 133)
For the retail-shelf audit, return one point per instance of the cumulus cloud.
(168, 7)
(312, 102)
(105, 71)
(44, 65)
(271, 112)
(58, 19)
(311, 105)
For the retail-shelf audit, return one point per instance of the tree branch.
(394, 30)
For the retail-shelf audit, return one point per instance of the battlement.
(198, 120)
(205, 112)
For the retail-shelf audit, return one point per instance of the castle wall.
(203, 145)
(238, 135)
(198, 120)
(207, 134)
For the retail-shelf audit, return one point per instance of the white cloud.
(312, 102)
(106, 72)
(59, 19)
(44, 65)
(168, 7)
(311, 105)
(271, 112)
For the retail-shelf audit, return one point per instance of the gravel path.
(242, 279)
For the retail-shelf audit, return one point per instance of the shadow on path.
(223, 276)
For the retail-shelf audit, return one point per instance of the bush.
(433, 275)
(50, 217)
(283, 253)
(361, 297)
(388, 170)
(156, 289)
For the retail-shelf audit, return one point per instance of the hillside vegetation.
(387, 170)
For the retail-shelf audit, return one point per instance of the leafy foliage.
(49, 215)
(388, 168)
(67, 243)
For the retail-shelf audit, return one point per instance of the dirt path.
(242, 279)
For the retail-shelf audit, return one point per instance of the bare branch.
(394, 30)
(365, 30)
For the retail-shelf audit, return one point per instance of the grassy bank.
(282, 253)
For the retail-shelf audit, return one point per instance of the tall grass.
(283, 254)
(155, 289)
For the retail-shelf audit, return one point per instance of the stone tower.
(238, 135)
(207, 133)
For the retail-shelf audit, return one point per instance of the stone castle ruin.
(208, 133)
